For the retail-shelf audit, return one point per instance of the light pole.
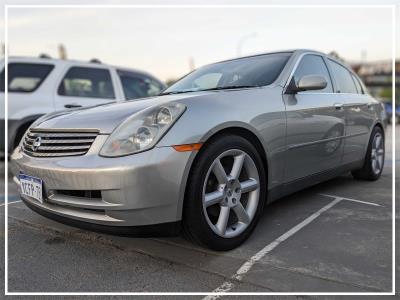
(242, 40)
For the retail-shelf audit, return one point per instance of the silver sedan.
(208, 153)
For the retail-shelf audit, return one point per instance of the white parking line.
(352, 200)
(227, 286)
(11, 202)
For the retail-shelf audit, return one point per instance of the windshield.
(252, 71)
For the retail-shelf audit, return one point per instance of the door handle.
(338, 106)
(72, 105)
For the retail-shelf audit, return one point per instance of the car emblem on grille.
(36, 143)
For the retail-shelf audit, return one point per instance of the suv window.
(87, 82)
(25, 77)
(312, 64)
(358, 84)
(344, 82)
(139, 86)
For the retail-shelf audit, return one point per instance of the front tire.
(375, 157)
(225, 194)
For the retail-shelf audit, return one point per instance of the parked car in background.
(389, 112)
(208, 152)
(38, 86)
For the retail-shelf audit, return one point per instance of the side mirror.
(308, 83)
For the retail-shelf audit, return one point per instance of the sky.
(167, 41)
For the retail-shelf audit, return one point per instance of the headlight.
(142, 131)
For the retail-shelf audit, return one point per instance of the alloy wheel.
(377, 153)
(231, 193)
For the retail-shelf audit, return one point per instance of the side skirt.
(302, 183)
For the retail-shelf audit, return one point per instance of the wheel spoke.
(223, 219)
(377, 164)
(378, 142)
(213, 198)
(237, 166)
(249, 185)
(219, 172)
(374, 165)
(241, 213)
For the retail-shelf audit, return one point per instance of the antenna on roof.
(95, 61)
(44, 55)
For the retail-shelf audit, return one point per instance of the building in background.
(377, 76)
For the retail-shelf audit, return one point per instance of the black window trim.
(88, 67)
(27, 63)
(355, 77)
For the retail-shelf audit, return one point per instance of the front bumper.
(142, 189)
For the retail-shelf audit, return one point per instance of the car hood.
(105, 118)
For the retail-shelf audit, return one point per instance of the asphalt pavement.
(333, 237)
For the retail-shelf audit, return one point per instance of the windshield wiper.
(176, 92)
(228, 87)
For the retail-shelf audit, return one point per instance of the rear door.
(84, 86)
(315, 124)
(359, 112)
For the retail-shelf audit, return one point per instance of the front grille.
(56, 143)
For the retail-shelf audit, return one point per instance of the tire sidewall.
(194, 216)
(368, 160)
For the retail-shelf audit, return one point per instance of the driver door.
(315, 124)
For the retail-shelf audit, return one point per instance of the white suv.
(38, 86)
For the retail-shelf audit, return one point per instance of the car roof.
(297, 52)
(69, 62)
(289, 51)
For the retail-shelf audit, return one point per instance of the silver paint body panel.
(149, 187)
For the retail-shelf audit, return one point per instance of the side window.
(313, 65)
(343, 79)
(139, 86)
(358, 84)
(25, 77)
(87, 82)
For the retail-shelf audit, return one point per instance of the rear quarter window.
(358, 84)
(139, 85)
(25, 77)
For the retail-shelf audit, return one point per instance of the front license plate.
(31, 187)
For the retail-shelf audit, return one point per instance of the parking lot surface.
(333, 237)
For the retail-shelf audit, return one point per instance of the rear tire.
(375, 157)
(225, 195)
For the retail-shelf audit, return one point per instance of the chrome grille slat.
(57, 143)
(62, 134)
(75, 141)
(55, 154)
(54, 148)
